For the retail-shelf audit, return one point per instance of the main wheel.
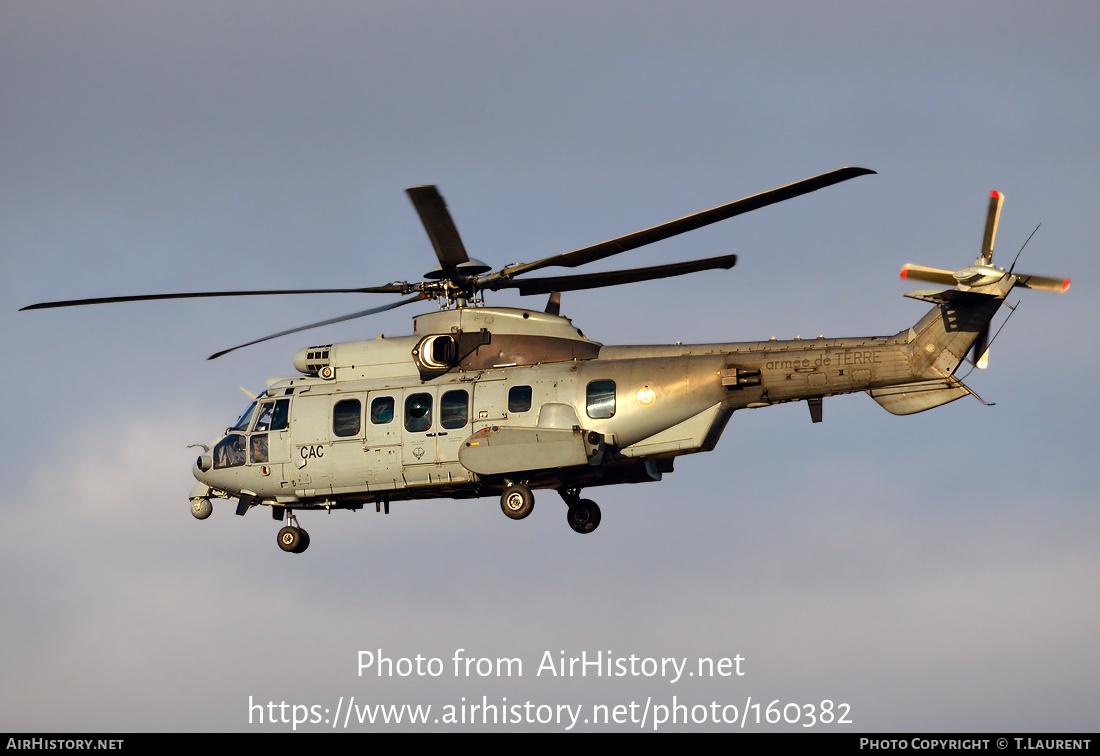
(290, 539)
(305, 541)
(517, 501)
(584, 516)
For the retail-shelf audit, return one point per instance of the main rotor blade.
(689, 223)
(441, 229)
(354, 315)
(529, 286)
(393, 288)
(992, 218)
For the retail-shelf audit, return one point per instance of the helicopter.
(484, 400)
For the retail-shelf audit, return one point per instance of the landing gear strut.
(293, 538)
(584, 514)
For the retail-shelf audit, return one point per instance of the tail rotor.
(982, 277)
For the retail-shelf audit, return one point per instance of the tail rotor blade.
(992, 218)
(1043, 283)
(981, 349)
(935, 275)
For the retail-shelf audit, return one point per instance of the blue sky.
(936, 572)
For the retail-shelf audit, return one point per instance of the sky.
(935, 573)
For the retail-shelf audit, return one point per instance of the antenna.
(1022, 249)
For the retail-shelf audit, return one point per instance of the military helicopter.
(496, 400)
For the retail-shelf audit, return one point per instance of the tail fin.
(938, 343)
(936, 347)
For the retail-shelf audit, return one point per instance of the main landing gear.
(293, 538)
(584, 514)
(518, 501)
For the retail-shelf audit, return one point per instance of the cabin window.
(418, 413)
(454, 409)
(601, 399)
(229, 452)
(345, 418)
(381, 410)
(519, 399)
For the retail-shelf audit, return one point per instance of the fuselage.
(479, 398)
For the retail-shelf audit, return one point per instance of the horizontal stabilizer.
(947, 296)
(910, 398)
(927, 295)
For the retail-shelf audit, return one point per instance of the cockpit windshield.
(243, 420)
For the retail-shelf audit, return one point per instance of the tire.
(305, 541)
(584, 516)
(290, 539)
(517, 502)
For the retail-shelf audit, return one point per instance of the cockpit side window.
(258, 448)
(280, 418)
(273, 415)
(263, 422)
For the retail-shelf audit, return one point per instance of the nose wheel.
(293, 538)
